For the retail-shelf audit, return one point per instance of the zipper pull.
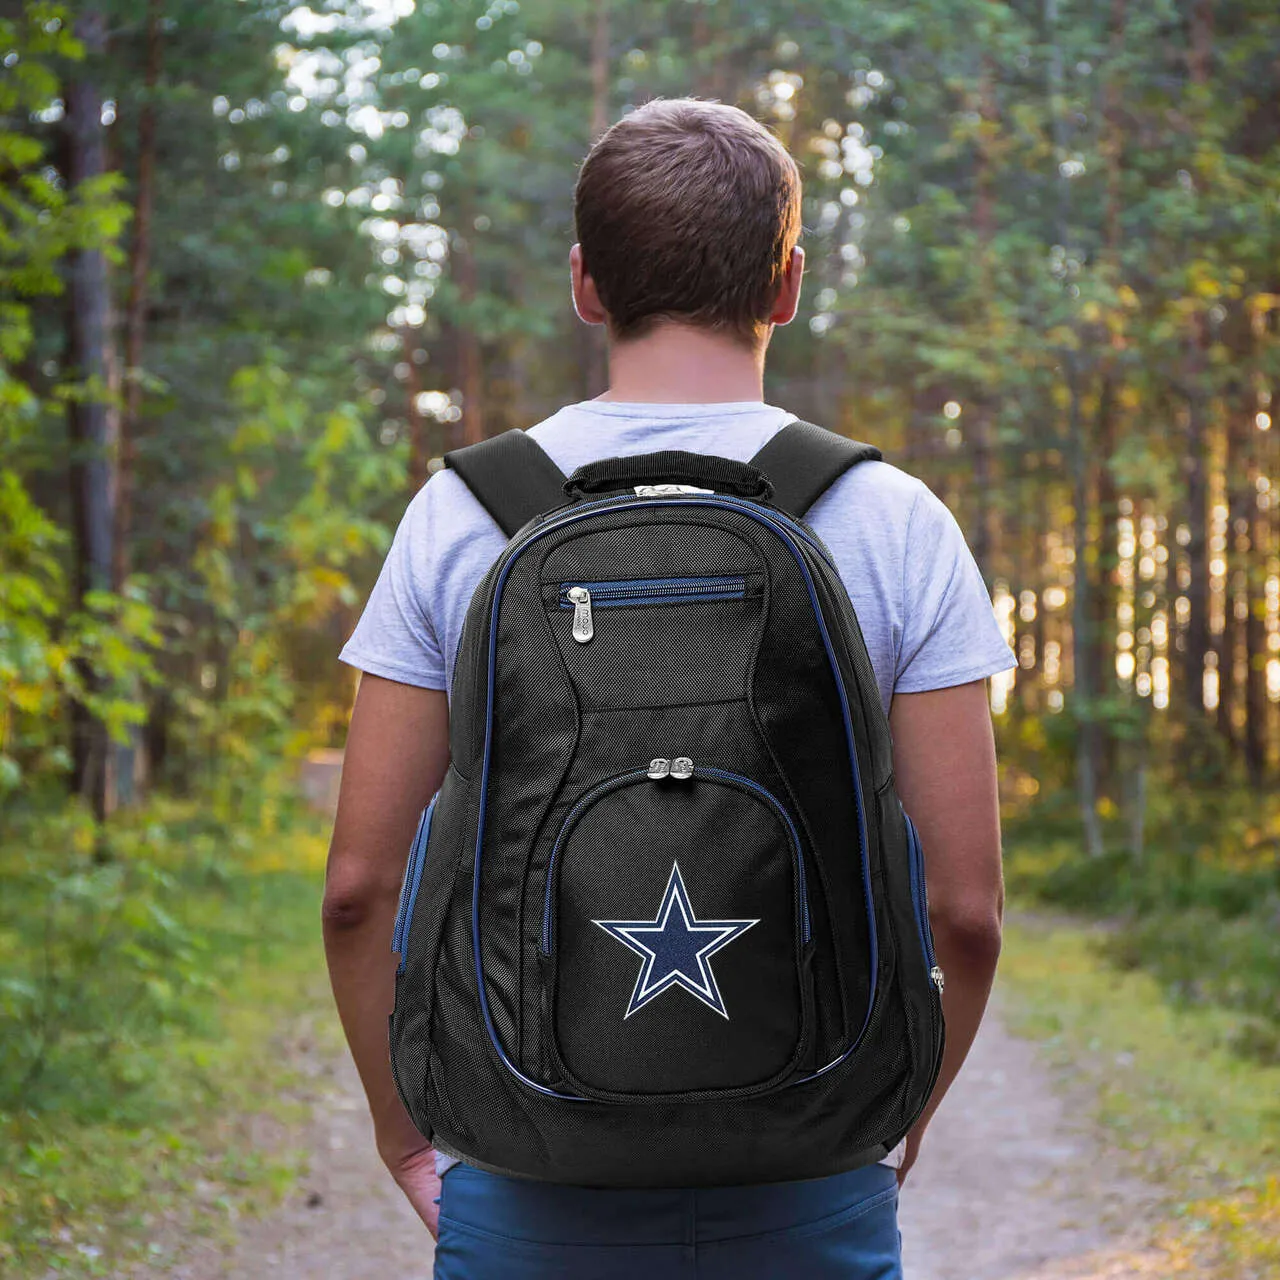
(659, 769)
(939, 978)
(682, 768)
(583, 629)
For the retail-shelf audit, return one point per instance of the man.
(687, 215)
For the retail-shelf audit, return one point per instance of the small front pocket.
(585, 597)
(657, 642)
(675, 930)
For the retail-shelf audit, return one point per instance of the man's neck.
(681, 364)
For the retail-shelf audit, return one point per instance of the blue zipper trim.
(802, 887)
(788, 531)
(635, 775)
(657, 591)
(920, 892)
(412, 878)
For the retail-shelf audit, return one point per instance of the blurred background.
(262, 263)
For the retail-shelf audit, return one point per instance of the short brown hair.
(688, 210)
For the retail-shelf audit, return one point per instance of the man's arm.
(396, 757)
(945, 763)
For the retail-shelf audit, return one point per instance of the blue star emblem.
(676, 948)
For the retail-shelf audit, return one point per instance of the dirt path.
(1009, 1188)
(345, 1220)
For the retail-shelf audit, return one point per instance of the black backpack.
(664, 924)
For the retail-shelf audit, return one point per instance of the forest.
(262, 263)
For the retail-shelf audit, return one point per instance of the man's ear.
(784, 309)
(586, 301)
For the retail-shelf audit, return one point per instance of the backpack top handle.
(669, 467)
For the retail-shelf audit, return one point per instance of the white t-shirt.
(920, 600)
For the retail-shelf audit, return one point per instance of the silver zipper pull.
(939, 978)
(682, 768)
(659, 769)
(583, 629)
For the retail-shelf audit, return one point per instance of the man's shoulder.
(875, 490)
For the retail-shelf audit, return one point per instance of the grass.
(1201, 1119)
(142, 1006)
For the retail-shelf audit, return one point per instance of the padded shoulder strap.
(511, 477)
(802, 461)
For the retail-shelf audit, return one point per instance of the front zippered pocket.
(920, 898)
(675, 937)
(583, 597)
(412, 878)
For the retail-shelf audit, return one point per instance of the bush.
(1200, 910)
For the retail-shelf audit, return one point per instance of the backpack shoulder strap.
(511, 477)
(802, 461)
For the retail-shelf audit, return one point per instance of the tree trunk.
(600, 70)
(1103, 570)
(1236, 470)
(592, 338)
(1084, 692)
(1255, 641)
(470, 358)
(1261, 548)
(1256, 652)
(1195, 467)
(1200, 53)
(1114, 134)
(1198, 640)
(135, 318)
(987, 527)
(419, 446)
(91, 423)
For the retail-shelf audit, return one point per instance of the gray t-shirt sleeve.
(395, 637)
(949, 632)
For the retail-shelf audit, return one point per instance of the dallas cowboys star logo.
(676, 948)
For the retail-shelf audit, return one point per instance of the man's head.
(688, 211)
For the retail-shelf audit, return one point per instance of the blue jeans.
(843, 1227)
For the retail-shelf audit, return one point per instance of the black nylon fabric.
(757, 1078)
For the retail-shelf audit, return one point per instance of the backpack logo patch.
(676, 948)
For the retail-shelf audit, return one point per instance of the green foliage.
(286, 531)
(141, 1003)
(99, 655)
(1200, 912)
(50, 650)
(259, 495)
(40, 223)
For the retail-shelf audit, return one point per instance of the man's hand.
(914, 1139)
(397, 754)
(415, 1175)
